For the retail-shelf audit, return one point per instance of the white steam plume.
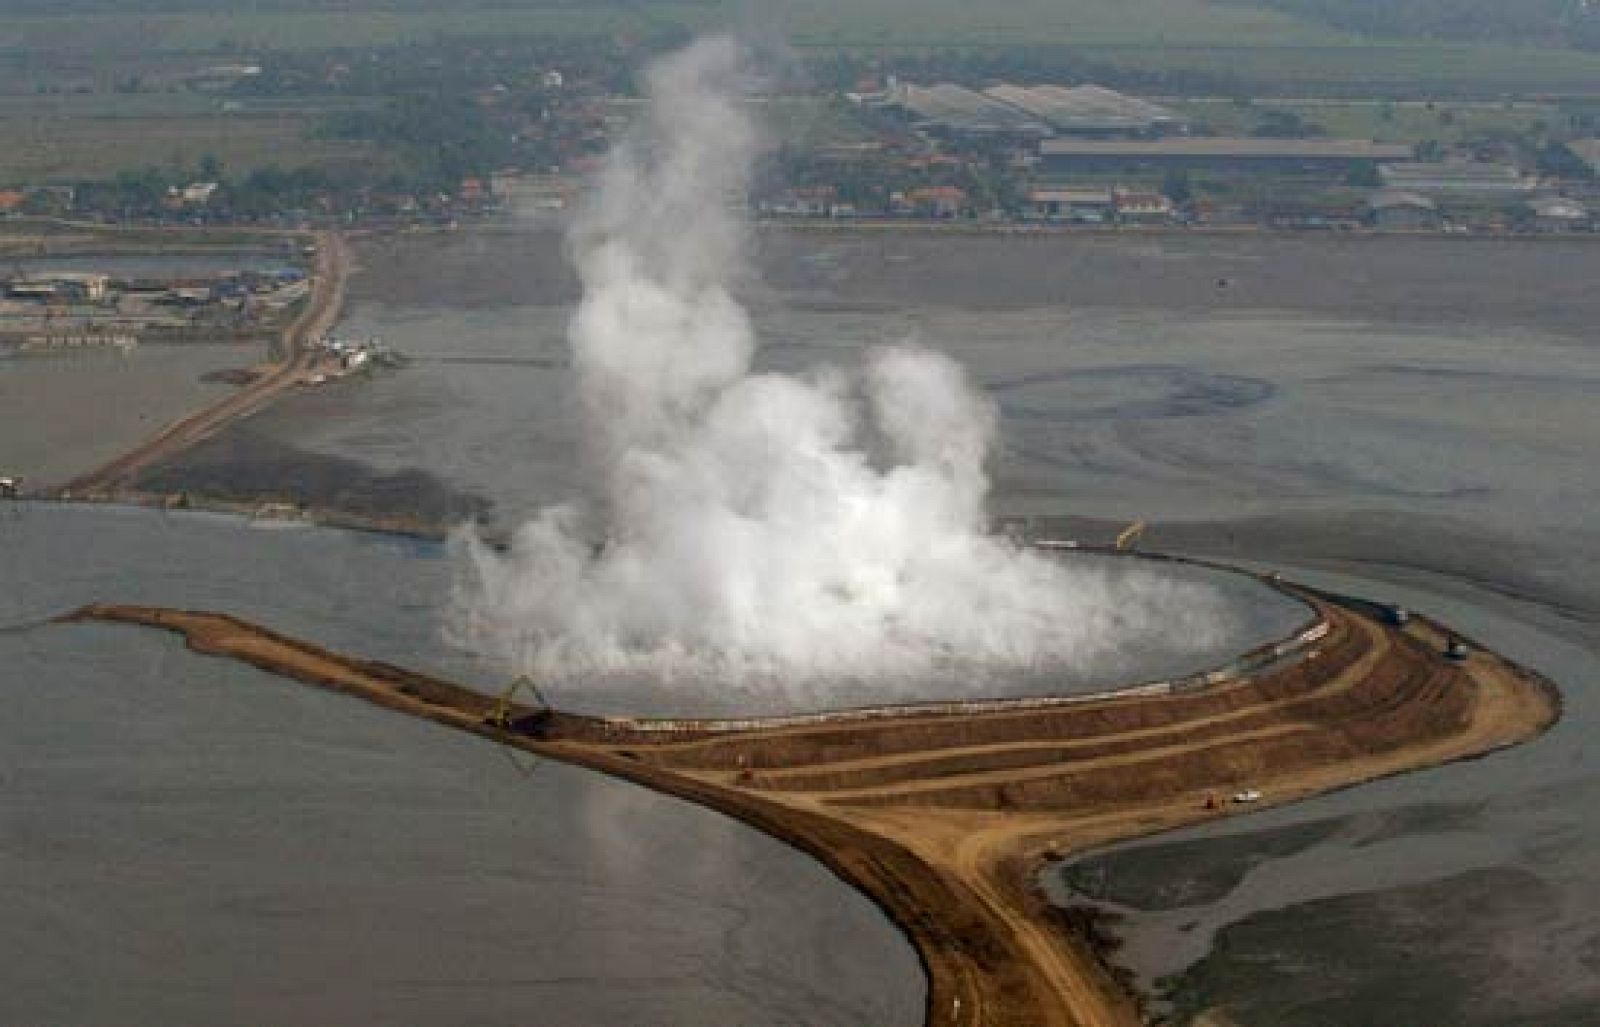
(751, 542)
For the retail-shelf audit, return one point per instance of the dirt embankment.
(944, 817)
(297, 358)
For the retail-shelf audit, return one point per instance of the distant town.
(467, 133)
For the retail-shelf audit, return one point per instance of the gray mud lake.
(64, 413)
(1406, 418)
(186, 840)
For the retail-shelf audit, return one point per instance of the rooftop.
(1588, 151)
(1559, 207)
(1389, 199)
(1084, 108)
(1455, 176)
(1082, 196)
(1226, 146)
(964, 109)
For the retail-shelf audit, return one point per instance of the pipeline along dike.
(943, 814)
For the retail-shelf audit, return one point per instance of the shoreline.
(931, 815)
(1023, 229)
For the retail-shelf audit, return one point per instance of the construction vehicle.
(1130, 536)
(508, 715)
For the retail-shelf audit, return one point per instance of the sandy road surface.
(948, 816)
(316, 320)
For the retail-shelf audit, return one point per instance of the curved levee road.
(944, 817)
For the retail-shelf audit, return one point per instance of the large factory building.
(1213, 153)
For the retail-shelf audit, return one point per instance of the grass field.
(1267, 50)
(805, 23)
(1366, 68)
(318, 30)
(67, 138)
(1387, 123)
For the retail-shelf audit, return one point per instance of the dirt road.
(298, 356)
(944, 816)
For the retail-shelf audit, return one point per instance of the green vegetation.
(1385, 121)
(438, 139)
(1368, 69)
(164, 32)
(1558, 22)
(1282, 47)
(805, 122)
(77, 137)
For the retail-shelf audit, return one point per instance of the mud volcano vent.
(1242, 614)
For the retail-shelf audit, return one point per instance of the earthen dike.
(944, 814)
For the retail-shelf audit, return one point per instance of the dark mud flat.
(247, 466)
(1403, 280)
(1465, 895)
(528, 265)
(1399, 279)
(1353, 960)
(1183, 874)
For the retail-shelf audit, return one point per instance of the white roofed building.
(1090, 110)
(1455, 176)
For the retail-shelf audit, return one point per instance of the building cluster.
(340, 358)
(1099, 206)
(522, 134)
(1092, 156)
(50, 309)
(275, 287)
(59, 287)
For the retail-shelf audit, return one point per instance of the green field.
(1365, 68)
(1265, 51)
(1384, 122)
(190, 33)
(71, 138)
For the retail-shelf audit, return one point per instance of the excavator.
(508, 715)
(505, 716)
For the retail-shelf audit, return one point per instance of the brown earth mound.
(943, 815)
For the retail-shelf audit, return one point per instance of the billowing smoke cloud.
(761, 532)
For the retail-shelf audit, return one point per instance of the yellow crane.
(502, 716)
(1130, 536)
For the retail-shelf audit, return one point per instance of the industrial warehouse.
(1041, 111)
(52, 308)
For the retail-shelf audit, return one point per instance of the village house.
(1398, 209)
(934, 201)
(1558, 214)
(1136, 207)
(802, 201)
(1075, 206)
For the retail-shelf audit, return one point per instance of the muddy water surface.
(188, 840)
(1414, 416)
